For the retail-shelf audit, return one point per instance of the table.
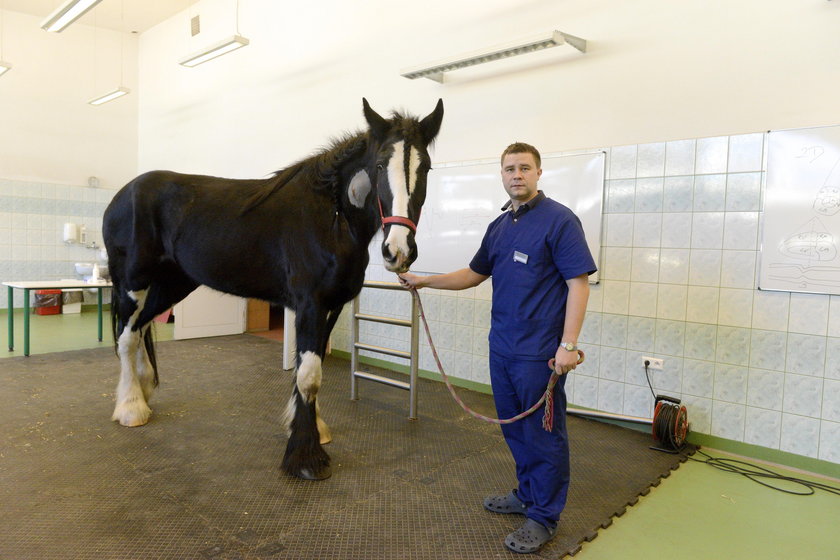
(46, 285)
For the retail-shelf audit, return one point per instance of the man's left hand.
(565, 361)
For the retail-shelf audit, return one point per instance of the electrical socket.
(655, 363)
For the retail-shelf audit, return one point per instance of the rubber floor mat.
(201, 480)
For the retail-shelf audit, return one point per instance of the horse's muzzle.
(399, 264)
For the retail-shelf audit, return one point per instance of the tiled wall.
(32, 216)
(680, 247)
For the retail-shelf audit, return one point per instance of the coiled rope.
(547, 397)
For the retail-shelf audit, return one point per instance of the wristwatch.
(568, 346)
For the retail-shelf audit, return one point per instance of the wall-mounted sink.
(85, 270)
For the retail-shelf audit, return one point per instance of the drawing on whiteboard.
(800, 247)
(827, 202)
(813, 152)
(812, 242)
(805, 276)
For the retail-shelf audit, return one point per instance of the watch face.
(568, 346)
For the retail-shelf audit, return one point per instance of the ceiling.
(128, 15)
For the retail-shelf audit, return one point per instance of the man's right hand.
(409, 280)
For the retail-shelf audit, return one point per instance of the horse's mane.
(321, 170)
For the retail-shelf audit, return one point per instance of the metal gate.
(412, 355)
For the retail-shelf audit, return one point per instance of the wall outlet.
(655, 363)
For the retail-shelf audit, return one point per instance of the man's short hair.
(522, 148)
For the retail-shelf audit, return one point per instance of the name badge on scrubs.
(520, 257)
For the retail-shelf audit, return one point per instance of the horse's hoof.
(132, 416)
(309, 474)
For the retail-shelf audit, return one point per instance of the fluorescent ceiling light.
(223, 47)
(110, 96)
(69, 12)
(435, 70)
(5, 67)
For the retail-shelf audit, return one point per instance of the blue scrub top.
(530, 255)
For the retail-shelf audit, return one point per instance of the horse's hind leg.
(133, 391)
(138, 366)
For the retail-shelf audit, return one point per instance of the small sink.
(85, 270)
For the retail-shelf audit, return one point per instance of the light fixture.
(121, 90)
(110, 96)
(220, 48)
(4, 66)
(435, 71)
(67, 13)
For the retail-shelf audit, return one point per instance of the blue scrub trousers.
(542, 458)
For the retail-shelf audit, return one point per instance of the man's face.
(520, 175)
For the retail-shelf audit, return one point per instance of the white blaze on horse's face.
(402, 180)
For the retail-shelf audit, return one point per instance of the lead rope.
(547, 397)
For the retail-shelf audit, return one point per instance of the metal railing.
(412, 355)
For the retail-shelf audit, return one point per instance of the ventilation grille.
(195, 25)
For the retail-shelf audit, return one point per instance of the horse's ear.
(430, 125)
(377, 124)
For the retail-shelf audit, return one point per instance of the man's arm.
(457, 280)
(576, 301)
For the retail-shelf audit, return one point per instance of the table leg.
(11, 307)
(25, 322)
(99, 310)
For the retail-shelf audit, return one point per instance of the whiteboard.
(463, 199)
(801, 233)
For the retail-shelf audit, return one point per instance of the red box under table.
(47, 302)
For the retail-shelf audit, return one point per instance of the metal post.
(26, 321)
(354, 351)
(11, 319)
(99, 311)
(415, 357)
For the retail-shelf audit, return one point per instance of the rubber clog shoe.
(529, 538)
(509, 503)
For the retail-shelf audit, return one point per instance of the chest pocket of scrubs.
(528, 274)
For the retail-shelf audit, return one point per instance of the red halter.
(396, 219)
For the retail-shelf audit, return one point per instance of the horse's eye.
(379, 167)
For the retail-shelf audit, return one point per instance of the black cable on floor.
(666, 428)
(755, 473)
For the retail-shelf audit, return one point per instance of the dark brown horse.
(298, 239)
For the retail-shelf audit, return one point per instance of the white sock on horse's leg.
(131, 408)
(308, 383)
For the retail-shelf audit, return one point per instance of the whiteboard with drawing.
(801, 230)
(462, 199)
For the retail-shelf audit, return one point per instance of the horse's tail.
(149, 343)
(116, 298)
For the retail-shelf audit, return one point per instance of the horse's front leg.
(304, 457)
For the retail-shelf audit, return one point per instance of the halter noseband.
(396, 219)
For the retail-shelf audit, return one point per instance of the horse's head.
(399, 173)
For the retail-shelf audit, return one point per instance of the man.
(537, 255)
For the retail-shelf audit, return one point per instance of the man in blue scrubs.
(537, 256)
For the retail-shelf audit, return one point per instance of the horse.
(298, 239)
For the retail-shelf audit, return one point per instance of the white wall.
(49, 132)
(656, 70)
(52, 141)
